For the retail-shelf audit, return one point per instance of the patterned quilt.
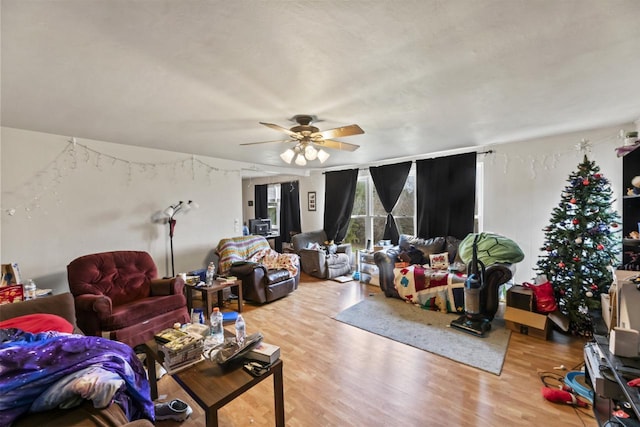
(42, 371)
(239, 248)
(431, 289)
(254, 249)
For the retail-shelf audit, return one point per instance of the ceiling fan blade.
(281, 129)
(268, 142)
(339, 132)
(338, 145)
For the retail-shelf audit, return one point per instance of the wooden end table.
(207, 293)
(212, 386)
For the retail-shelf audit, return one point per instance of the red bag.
(545, 300)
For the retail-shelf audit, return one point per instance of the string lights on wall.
(44, 183)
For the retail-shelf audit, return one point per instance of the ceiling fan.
(310, 141)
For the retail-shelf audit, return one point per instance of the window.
(368, 216)
(273, 205)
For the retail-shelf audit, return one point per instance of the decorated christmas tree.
(581, 244)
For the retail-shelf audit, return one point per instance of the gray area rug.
(430, 331)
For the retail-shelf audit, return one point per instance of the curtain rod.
(413, 161)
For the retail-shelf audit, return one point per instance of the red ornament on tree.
(597, 176)
(585, 181)
(600, 246)
(594, 287)
(561, 264)
(576, 259)
(614, 225)
(573, 201)
(575, 221)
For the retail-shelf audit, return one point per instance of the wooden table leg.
(239, 286)
(278, 395)
(189, 290)
(207, 304)
(212, 417)
(151, 372)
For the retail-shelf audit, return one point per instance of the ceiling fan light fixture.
(287, 156)
(322, 156)
(300, 160)
(310, 153)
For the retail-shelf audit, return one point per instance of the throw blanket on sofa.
(432, 289)
(275, 260)
(239, 248)
(42, 371)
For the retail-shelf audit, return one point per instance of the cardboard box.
(520, 297)
(10, 274)
(528, 323)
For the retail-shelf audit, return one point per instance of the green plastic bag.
(492, 248)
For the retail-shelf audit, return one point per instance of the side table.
(207, 293)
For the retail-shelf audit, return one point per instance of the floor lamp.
(171, 212)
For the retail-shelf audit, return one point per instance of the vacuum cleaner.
(474, 321)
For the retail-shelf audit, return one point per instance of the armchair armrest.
(170, 286)
(344, 248)
(386, 261)
(101, 304)
(313, 261)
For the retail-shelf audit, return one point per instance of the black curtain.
(389, 181)
(446, 193)
(260, 207)
(339, 193)
(289, 210)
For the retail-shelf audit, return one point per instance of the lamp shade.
(287, 156)
(310, 153)
(322, 156)
(169, 211)
(300, 160)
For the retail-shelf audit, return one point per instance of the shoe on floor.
(176, 410)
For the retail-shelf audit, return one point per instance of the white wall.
(524, 180)
(309, 220)
(104, 201)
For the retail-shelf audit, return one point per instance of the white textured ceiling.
(418, 76)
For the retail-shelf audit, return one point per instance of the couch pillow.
(439, 261)
(39, 322)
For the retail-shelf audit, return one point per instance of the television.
(260, 226)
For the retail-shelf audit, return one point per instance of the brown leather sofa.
(242, 257)
(84, 415)
(118, 295)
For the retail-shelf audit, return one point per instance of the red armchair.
(118, 296)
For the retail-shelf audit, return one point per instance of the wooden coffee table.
(207, 293)
(212, 386)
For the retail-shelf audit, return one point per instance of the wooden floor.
(339, 375)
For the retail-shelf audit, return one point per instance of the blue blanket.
(35, 368)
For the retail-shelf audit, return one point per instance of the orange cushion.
(40, 322)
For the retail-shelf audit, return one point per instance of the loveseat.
(319, 258)
(266, 275)
(85, 414)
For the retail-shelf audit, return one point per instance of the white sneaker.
(176, 410)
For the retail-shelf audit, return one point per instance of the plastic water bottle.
(241, 331)
(217, 332)
(211, 274)
(29, 290)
